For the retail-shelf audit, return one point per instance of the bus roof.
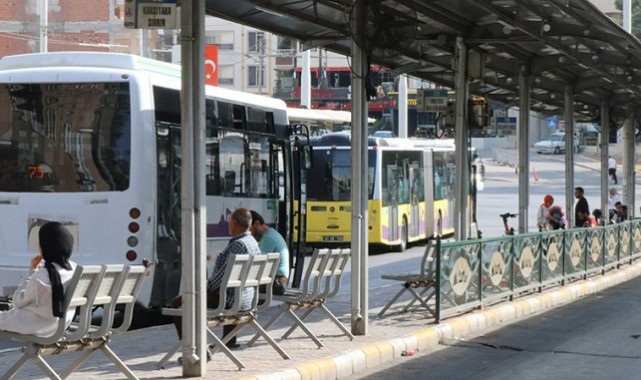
(122, 61)
(344, 138)
(305, 114)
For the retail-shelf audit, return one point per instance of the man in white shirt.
(612, 169)
(613, 199)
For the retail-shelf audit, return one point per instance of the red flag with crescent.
(211, 65)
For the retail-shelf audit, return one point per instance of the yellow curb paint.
(427, 338)
(372, 356)
(308, 370)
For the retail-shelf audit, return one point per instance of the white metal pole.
(523, 148)
(44, 21)
(569, 155)
(402, 106)
(604, 141)
(359, 250)
(192, 188)
(627, 15)
(461, 158)
(306, 81)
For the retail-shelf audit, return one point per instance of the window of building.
(255, 76)
(226, 75)
(224, 39)
(256, 42)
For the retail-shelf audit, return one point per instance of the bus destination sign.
(150, 14)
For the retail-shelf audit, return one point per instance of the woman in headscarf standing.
(37, 303)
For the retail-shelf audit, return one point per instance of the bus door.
(392, 186)
(167, 272)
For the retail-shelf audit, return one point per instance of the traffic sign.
(150, 14)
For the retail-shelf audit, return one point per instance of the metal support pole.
(569, 154)
(461, 158)
(402, 106)
(193, 234)
(44, 26)
(604, 139)
(359, 249)
(523, 148)
(306, 81)
(627, 198)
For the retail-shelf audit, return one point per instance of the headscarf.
(56, 244)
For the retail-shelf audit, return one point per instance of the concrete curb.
(369, 356)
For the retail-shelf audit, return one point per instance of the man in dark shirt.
(581, 209)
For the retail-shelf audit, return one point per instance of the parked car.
(383, 133)
(555, 144)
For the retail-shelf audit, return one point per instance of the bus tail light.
(134, 213)
(132, 255)
(134, 227)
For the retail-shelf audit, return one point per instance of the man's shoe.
(232, 345)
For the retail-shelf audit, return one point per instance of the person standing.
(613, 199)
(581, 209)
(241, 243)
(543, 216)
(270, 241)
(612, 169)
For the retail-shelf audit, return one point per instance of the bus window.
(232, 161)
(71, 137)
(259, 178)
(225, 115)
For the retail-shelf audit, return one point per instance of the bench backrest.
(428, 263)
(266, 278)
(312, 281)
(130, 290)
(234, 276)
(336, 263)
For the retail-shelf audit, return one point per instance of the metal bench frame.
(93, 286)
(321, 282)
(422, 286)
(242, 271)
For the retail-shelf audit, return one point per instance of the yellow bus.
(410, 186)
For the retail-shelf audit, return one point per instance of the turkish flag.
(211, 65)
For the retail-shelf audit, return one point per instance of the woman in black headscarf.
(38, 301)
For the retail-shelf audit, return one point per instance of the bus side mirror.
(307, 156)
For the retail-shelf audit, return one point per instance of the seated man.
(241, 243)
(270, 241)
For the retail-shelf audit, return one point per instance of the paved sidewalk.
(386, 339)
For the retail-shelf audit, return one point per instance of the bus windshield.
(332, 180)
(65, 137)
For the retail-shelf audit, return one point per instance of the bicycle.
(506, 227)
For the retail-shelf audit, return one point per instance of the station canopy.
(558, 42)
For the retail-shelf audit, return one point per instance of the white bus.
(93, 140)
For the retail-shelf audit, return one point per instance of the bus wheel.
(403, 246)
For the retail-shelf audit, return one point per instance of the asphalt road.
(598, 337)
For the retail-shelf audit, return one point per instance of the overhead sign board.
(150, 14)
(506, 122)
(432, 100)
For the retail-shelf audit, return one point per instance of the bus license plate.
(332, 238)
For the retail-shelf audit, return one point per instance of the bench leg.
(336, 321)
(220, 345)
(391, 302)
(420, 298)
(282, 309)
(301, 324)
(118, 362)
(29, 353)
(169, 354)
(76, 363)
(260, 331)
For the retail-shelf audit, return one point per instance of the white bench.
(105, 286)
(321, 282)
(242, 271)
(424, 282)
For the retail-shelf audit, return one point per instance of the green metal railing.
(474, 273)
